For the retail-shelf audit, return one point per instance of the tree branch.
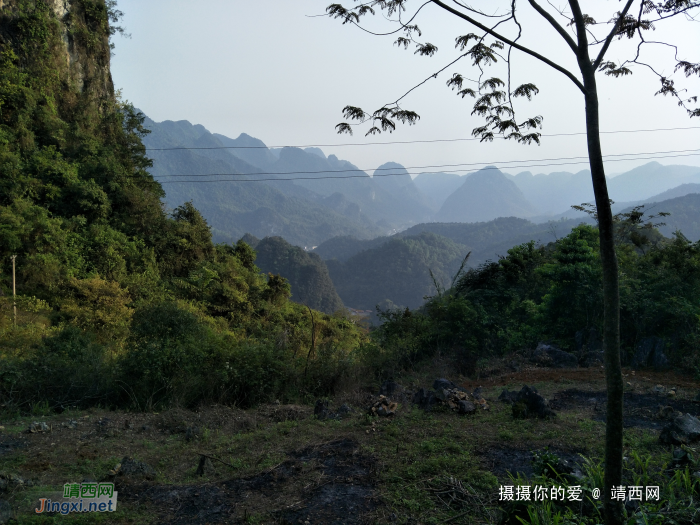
(555, 25)
(612, 34)
(510, 42)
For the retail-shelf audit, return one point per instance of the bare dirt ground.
(279, 464)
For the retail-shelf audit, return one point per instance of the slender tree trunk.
(611, 300)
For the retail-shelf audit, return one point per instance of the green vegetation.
(306, 273)
(120, 303)
(398, 271)
(554, 294)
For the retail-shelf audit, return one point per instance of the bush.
(68, 369)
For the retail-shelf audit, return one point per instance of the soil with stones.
(502, 460)
(330, 483)
(640, 410)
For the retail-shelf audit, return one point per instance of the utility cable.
(434, 166)
(405, 141)
(395, 174)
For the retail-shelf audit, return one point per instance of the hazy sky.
(273, 70)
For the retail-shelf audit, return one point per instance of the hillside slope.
(485, 195)
(306, 272)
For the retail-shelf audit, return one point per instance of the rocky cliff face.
(73, 33)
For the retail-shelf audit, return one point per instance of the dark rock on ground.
(466, 407)
(321, 410)
(508, 397)
(530, 404)
(680, 459)
(551, 356)
(390, 389)
(650, 352)
(683, 430)
(444, 384)
(425, 399)
(137, 469)
(205, 467)
(592, 358)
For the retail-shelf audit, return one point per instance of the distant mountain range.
(313, 208)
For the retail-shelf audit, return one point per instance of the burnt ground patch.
(8, 445)
(502, 461)
(640, 410)
(332, 483)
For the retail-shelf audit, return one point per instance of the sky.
(278, 71)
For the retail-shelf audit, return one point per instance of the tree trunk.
(611, 300)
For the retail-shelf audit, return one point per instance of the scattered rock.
(145, 428)
(71, 423)
(134, 468)
(425, 399)
(551, 356)
(39, 426)
(191, 433)
(205, 467)
(650, 353)
(383, 407)
(321, 410)
(344, 410)
(592, 358)
(665, 412)
(680, 459)
(10, 481)
(465, 407)
(443, 384)
(508, 397)
(659, 389)
(529, 403)
(683, 430)
(5, 511)
(391, 389)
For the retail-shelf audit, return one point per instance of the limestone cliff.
(72, 35)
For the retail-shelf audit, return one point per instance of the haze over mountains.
(380, 235)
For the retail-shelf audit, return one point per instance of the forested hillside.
(398, 271)
(121, 303)
(306, 272)
(484, 196)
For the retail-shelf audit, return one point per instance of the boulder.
(205, 467)
(137, 469)
(466, 407)
(683, 430)
(508, 397)
(344, 410)
(592, 358)
(383, 407)
(529, 403)
(425, 399)
(551, 356)
(321, 410)
(443, 384)
(390, 389)
(649, 352)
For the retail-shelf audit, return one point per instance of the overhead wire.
(406, 141)
(365, 176)
(434, 166)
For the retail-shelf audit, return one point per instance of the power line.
(405, 141)
(435, 166)
(395, 174)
